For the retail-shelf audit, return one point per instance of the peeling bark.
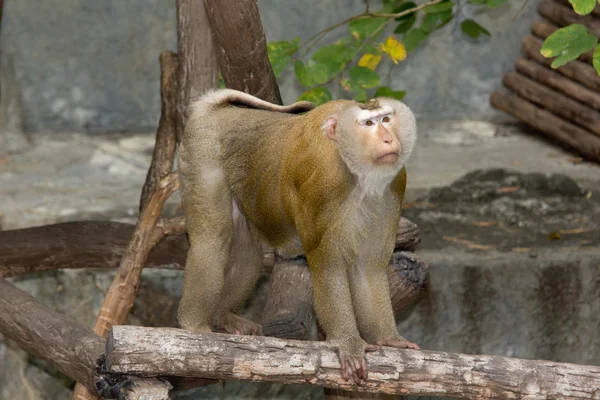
(167, 351)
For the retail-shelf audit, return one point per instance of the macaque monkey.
(328, 184)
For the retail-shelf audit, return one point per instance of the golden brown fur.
(326, 184)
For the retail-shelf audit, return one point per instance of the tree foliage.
(354, 62)
(569, 42)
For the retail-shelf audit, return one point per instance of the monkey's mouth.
(388, 158)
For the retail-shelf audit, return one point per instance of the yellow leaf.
(394, 49)
(369, 60)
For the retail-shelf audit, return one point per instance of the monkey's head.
(376, 137)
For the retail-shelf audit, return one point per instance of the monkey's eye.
(369, 123)
(386, 119)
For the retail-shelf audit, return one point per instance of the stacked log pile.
(562, 103)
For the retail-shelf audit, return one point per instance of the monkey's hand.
(351, 352)
(236, 325)
(399, 343)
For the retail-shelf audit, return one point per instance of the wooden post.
(198, 69)
(242, 48)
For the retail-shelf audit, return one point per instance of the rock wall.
(86, 65)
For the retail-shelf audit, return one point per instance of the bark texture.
(165, 351)
(241, 48)
(69, 346)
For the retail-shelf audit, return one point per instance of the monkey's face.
(378, 136)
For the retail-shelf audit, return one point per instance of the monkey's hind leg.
(208, 217)
(243, 270)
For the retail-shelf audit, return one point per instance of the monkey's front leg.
(333, 305)
(373, 306)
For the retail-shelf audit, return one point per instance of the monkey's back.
(252, 153)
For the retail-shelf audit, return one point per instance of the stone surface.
(86, 65)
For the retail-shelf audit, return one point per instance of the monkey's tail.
(219, 97)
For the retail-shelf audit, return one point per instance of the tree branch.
(69, 346)
(167, 352)
(102, 244)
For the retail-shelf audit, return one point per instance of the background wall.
(87, 65)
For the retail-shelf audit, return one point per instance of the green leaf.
(310, 73)
(583, 7)
(414, 38)
(404, 7)
(302, 74)
(364, 28)
(334, 57)
(431, 22)
(363, 77)
(495, 3)
(405, 21)
(384, 91)
(317, 95)
(478, 2)
(280, 52)
(567, 44)
(361, 96)
(405, 25)
(439, 7)
(473, 29)
(596, 59)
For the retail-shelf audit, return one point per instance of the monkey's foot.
(399, 343)
(236, 325)
(351, 352)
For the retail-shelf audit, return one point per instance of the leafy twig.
(318, 36)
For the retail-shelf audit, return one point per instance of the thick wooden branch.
(85, 244)
(166, 136)
(584, 142)
(197, 68)
(121, 295)
(69, 346)
(554, 101)
(289, 313)
(563, 15)
(102, 244)
(243, 58)
(579, 71)
(167, 351)
(558, 82)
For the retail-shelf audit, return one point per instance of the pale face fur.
(375, 143)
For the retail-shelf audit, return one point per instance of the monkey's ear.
(330, 124)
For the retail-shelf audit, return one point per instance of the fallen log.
(556, 81)
(102, 244)
(576, 70)
(572, 136)
(564, 15)
(553, 101)
(167, 352)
